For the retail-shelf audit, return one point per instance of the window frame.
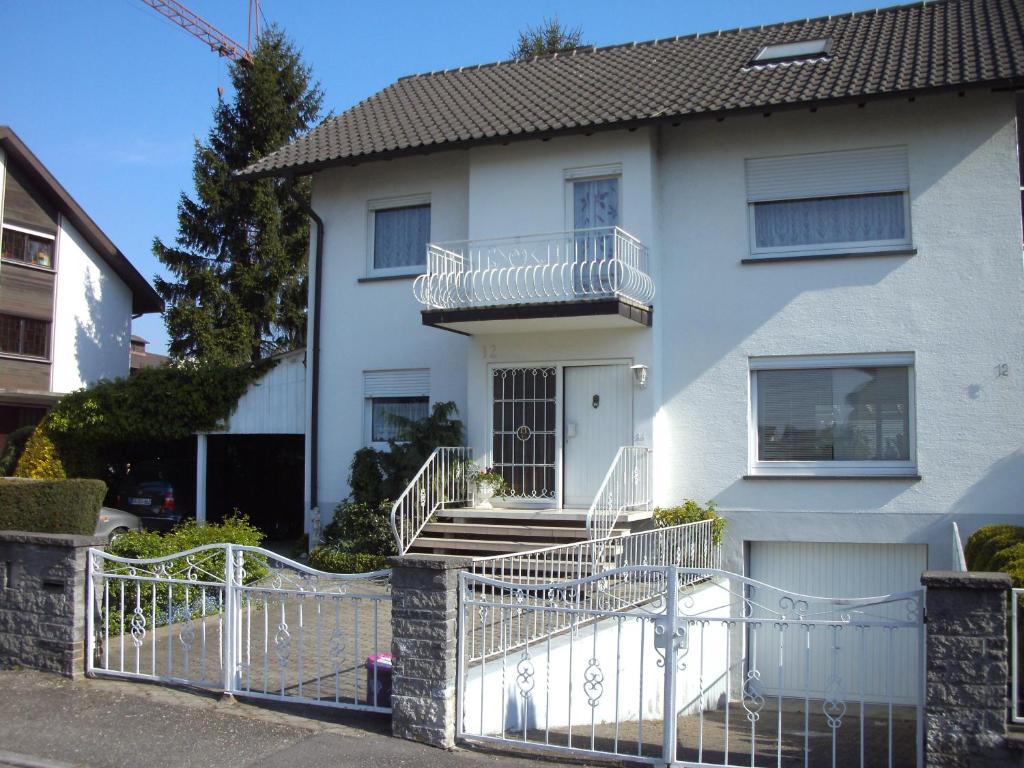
(387, 204)
(32, 233)
(592, 173)
(368, 417)
(45, 358)
(832, 468)
(825, 249)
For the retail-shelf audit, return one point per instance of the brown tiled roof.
(945, 44)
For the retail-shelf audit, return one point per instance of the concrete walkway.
(51, 722)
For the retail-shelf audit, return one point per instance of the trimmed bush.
(334, 560)
(39, 460)
(691, 512)
(361, 528)
(997, 548)
(51, 506)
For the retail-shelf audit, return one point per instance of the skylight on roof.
(801, 49)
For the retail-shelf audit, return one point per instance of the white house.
(67, 294)
(780, 266)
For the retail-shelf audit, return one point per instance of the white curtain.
(400, 237)
(824, 220)
(834, 414)
(384, 426)
(595, 203)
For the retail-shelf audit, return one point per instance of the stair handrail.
(626, 486)
(443, 479)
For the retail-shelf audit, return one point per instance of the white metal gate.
(243, 620)
(709, 648)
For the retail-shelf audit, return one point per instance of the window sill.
(25, 358)
(821, 256)
(26, 265)
(389, 278)
(912, 477)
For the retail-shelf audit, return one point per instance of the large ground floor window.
(847, 414)
(525, 429)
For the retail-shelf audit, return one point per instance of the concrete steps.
(474, 532)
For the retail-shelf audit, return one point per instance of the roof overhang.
(144, 298)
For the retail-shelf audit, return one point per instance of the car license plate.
(139, 501)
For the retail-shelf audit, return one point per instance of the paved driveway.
(47, 720)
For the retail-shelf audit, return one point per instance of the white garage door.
(875, 663)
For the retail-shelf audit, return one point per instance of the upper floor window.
(854, 201)
(400, 233)
(24, 336)
(27, 247)
(849, 415)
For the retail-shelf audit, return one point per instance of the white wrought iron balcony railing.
(607, 262)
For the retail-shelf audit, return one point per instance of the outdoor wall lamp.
(639, 375)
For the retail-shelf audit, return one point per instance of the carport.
(256, 464)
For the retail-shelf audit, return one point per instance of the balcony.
(596, 278)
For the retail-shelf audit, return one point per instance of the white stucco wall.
(956, 305)
(376, 325)
(92, 316)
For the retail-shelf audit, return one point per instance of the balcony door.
(595, 214)
(598, 416)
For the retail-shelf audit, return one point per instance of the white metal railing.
(716, 669)
(1016, 695)
(243, 620)
(565, 266)
(443, 479)
(690, 545)
(626, 487)
(959, 561)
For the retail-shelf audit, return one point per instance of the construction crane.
(204, 31)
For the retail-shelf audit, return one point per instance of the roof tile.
(927, 45)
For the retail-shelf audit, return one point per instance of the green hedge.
(997, 548)
(51, 506)
(333, 560)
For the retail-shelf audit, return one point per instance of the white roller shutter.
(408, 382)
(824, 174)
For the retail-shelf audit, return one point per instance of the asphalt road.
(48, 721)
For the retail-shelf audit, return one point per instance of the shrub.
(997, 548)
(168, 603)
(691, 512)
(51, 506)
(39, 460)
(334, 560)
(366, 478)
(13, 449)
(361, 528)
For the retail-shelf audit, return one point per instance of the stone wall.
(424, 612)
(967, 677)
(42, 601)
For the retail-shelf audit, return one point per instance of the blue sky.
(110, 95)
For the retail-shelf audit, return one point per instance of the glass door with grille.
(524, 433)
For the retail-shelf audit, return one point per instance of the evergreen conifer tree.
(238, 264)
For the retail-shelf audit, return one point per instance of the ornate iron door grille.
(524, 429)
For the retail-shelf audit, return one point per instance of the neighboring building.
(139, 358)
(67, 294)
(787, 259)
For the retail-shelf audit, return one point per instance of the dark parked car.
(152, 501)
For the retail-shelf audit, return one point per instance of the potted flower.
(489, 483)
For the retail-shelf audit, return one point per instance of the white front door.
(598, 420)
